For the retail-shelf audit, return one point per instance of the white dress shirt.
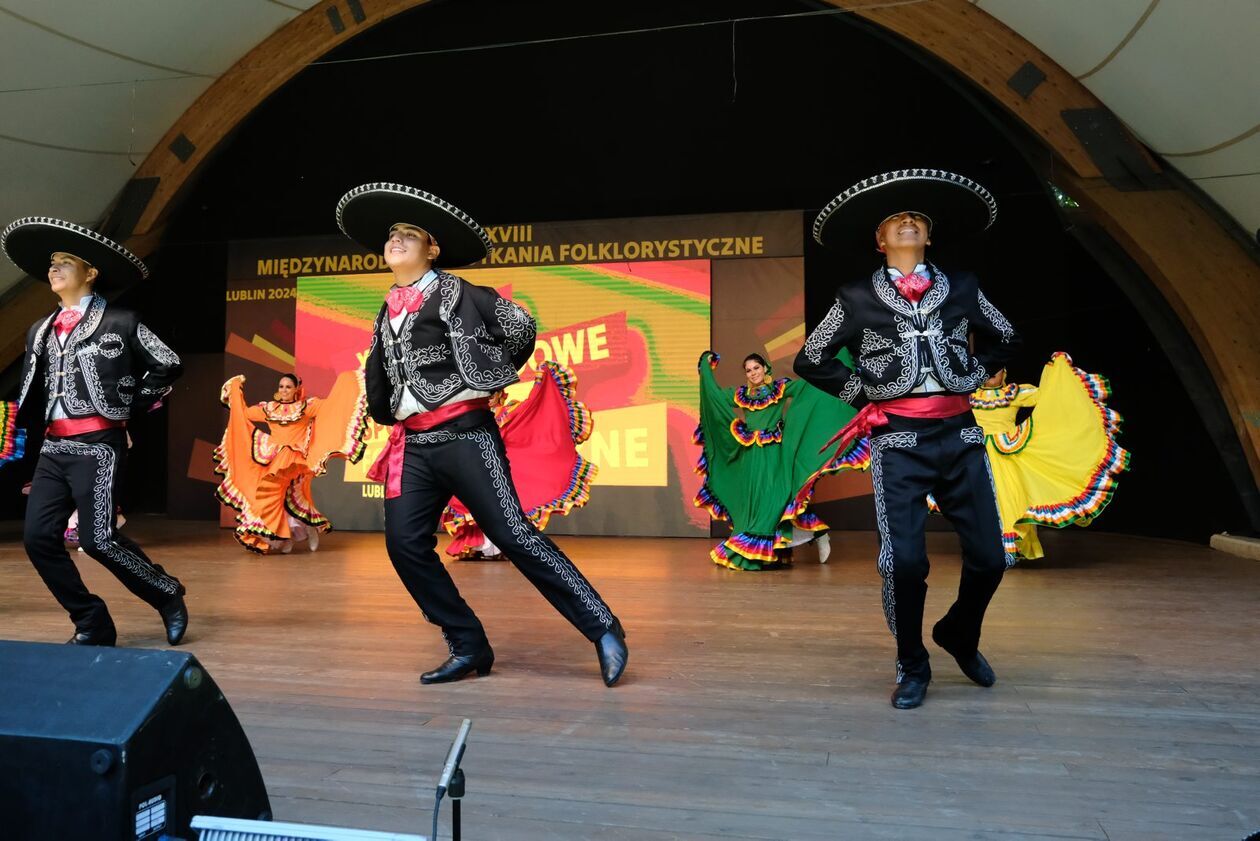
(930, 385)
(58, 410)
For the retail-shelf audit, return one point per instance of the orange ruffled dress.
(540, 434)
(267, 472)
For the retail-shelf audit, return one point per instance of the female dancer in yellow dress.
(267, 471)
(1058, 466)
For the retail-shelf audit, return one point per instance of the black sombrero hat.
(31, 241)
(366, 213)
(955, 204)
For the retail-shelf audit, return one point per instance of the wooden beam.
(1208, 278)
(988, 53)
(235, 94)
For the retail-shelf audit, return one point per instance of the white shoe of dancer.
(824, 547)
(286, 546)
(299, 530)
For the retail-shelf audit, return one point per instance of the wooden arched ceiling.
(1209, 279)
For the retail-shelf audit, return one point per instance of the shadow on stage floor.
(754, 706)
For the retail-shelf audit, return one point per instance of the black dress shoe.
(909, 693)
(613, 654)
(109, 636)
(175, 618)
(973, 665)
(461, 665)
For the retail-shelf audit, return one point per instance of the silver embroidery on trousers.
(103, 512)
(430, 437)
(527, 535)
(894, 440)
(886, 562)
(1009, 559)
(888, 595)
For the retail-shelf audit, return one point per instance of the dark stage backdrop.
(195, 425)
(624, 303)
(759, 307)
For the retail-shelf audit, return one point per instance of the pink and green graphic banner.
(630, 331)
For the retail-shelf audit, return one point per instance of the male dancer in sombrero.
(440, 347)
(88, 367)
(909, 327)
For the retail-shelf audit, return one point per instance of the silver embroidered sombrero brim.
(30, 242)
(366, 213)
(956, 205)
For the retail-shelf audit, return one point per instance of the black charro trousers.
(465, 458)
(911, 458)
(82, 472)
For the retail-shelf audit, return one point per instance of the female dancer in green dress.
(763, 451)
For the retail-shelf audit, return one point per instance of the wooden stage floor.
(755, 705)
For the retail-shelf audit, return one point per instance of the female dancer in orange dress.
(271, 451)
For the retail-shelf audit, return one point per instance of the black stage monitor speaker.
(115, 743)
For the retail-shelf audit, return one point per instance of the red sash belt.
(66, 427)
(876, 414)
(388, 465)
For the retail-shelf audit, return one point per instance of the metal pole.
(456, 792)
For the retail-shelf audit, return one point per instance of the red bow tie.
(913, 286)
(404, 299)
(65, 321)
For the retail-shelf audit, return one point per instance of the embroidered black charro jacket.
(110, 365)
(896, 344)
(463, 337)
